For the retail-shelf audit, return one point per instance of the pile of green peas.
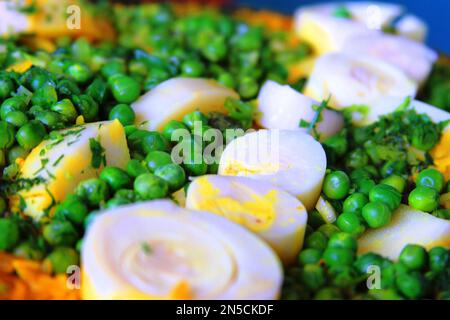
(209, 44)
(329, 269)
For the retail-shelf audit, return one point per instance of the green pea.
(125, 89)
(50, 119)
(16, 152)
(192, 118)
(155, 77)
(79, 72)
(173, 174)
(342, 240)
(112, 67)
(130, 129)
(424, 199)
(336, 185)
(6, 87)
(28, 250)
(328, 229)
(45, 96)
(439, 259)
(309, 256)
(355, 202)
(16, 118)
(387, 195)
(413, 256)
(328, 293)
(248, 88)
(360, 174)
(67, 88)
(213, 168)
(193, 168)
(448, 186)
(337, 144)
(376, 214)
(171, 127)
(153, 140)
(138, 68)
(226, 79)
(351, 223)
(12, 104)
(338, 257)
(313, 276)
(6, 135)
(30, 135)
(358, 158)
(126, 194)
(124, 113)
(72, 208)
(136, 168)
(431, 178)
(365, 261)
(424, 137)
(79, 245)
(62, 258)
(388, 275)
(411, 285)
(157, 159)
(342, 12)
(60, 233)
(216, 49)
(192, 68)
(94, 191)
(11, 171)
(395, 181)
(81, 49)
(442, 213)
(98, 90)
(3, 205)
(365, 185)
(9, 233)
(393, 167)
(116, 178)
(86, 106)
(316, 240)
(342, 276)
(116, 202)
(66, 109)
(135, 140)
(149, 187)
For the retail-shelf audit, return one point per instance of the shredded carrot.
(26, 279)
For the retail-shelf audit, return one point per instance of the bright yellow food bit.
(441, 155)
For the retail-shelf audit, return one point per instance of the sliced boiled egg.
(289, 159)
(408, 225)
(174, 98)
(351, 79)
(281, 107)
(156, 250)
(59, 163)
(273, 214)
(413, 58)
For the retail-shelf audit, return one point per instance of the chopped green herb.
(146, 248)
(98, 153)
(58, 160)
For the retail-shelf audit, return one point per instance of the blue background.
(436, 14)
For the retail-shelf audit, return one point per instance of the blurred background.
(436, 14)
